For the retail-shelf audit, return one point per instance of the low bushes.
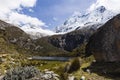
(21, 73)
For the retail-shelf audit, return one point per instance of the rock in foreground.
(105, 43)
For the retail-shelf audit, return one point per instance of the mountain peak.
(101, 9)
(112, 5)
(99, 15)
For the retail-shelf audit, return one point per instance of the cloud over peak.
(113, 5)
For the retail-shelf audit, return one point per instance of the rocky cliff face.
(105, 43)
(73, 39)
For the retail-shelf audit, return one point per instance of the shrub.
(75, 65)
(21, 73)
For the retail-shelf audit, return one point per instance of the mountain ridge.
(98, 16)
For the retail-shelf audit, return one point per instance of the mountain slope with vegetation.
(12, 35)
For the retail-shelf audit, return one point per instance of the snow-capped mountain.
(37, 32)
(32, 27)
(33, 31)
(99, 15)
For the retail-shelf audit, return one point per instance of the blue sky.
(55, 12)
(45, 15)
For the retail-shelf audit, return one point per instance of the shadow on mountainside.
(109, 70)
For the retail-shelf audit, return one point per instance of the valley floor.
(14, 60)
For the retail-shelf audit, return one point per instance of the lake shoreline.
(51, 58)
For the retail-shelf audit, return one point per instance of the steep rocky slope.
(73, 39)
(105, 43)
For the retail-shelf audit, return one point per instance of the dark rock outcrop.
(73, 39)
(104, 44)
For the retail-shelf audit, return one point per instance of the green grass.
(56, 66)
(86, 62)
(21, 60)
(50, 65)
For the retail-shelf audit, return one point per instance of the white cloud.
(9, 11)
(113, 5)
(30, 10)
(28, 3)
(55, 19)
(7, 5)
(19, 19)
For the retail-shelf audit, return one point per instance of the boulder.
(104, 44)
